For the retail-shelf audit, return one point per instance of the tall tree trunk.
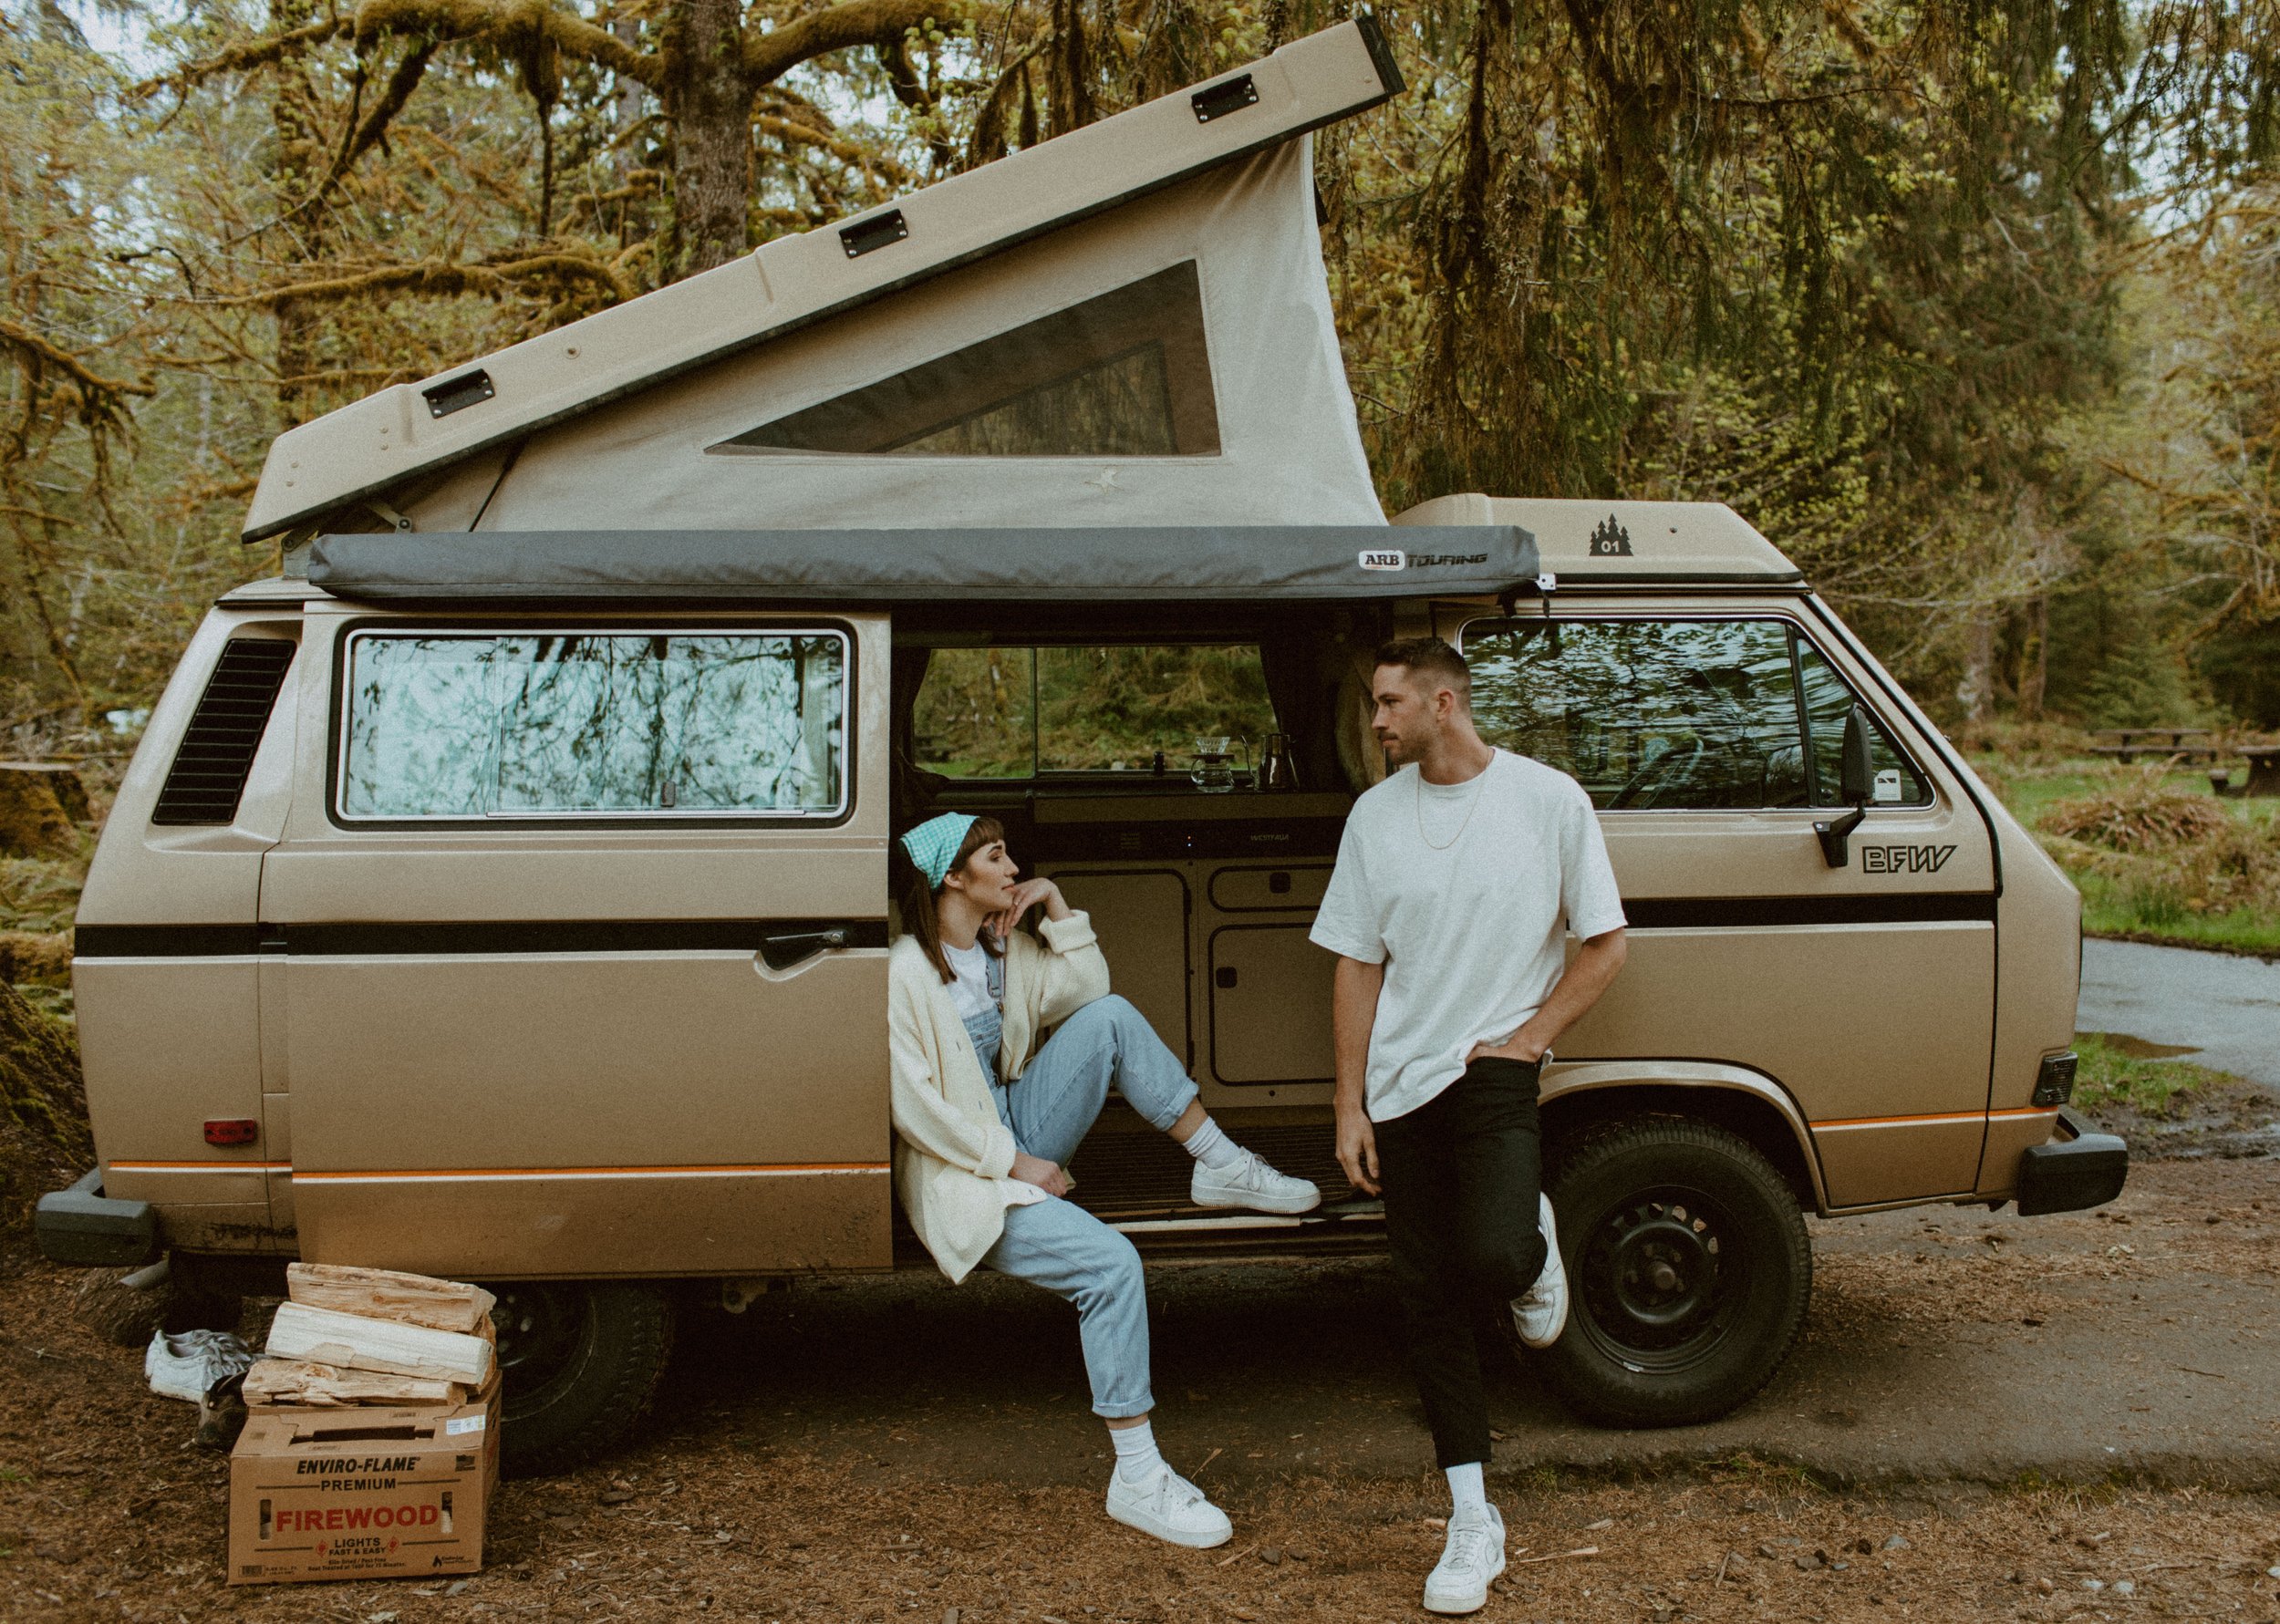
(710, 101)
(297, 164)
(2035, 659)
(1975, 693)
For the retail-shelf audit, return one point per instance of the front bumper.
(2085, 1169)
(84, 1227)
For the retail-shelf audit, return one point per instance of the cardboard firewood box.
(363, 1491)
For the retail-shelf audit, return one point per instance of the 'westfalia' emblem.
(1611, 540)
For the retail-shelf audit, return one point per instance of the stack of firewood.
(371, 1336)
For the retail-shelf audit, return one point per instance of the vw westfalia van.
(500, 891)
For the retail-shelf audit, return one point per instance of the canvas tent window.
(1125, 374)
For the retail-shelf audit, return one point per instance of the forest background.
(1973, 305)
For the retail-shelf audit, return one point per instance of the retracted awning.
(1281, 564)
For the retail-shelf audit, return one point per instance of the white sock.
(1466, 1487)
(1136, 1451)
(1211, 1147)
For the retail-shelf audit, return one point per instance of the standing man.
(1455, 878)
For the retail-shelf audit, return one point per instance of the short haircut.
(1433, 659)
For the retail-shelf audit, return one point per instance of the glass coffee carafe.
(1214, 772)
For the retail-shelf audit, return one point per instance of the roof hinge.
(389, 515)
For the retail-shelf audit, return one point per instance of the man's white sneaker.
(1248, 1182)
(1469, 1564)
(1540, 1313)
(1167, 1506)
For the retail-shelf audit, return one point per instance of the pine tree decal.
(1611, 540)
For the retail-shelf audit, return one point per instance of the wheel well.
(1569, 1116)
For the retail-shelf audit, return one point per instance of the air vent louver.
(217, 750)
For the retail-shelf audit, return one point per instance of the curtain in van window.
(565, 724)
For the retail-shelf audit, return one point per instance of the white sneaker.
(1540, 1313)
(1167, 1506)
(1470, 1562)
(1248, 1182)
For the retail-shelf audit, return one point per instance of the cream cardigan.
(952, 1155)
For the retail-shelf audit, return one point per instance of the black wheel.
(1688, 1273)
(116, 1312)
(580, 1361)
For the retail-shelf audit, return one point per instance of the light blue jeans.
(1057, 1243)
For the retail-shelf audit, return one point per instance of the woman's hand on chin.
(1035, 1170)
(1025, 897)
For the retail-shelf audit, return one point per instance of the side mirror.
(1855, 777)
(1858, 772)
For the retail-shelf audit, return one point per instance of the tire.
(120, 1314)
(581, 1362)
(1689, 1272)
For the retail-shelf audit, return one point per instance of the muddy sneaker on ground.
(1250, 1183)
(1167, 1506)
(1469, 1564)
(1540, 1312)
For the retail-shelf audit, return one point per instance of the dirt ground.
(898, 1450)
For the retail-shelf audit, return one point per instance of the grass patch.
(2207, 879)
(2151, 1085)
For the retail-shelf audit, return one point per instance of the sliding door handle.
(781, 953)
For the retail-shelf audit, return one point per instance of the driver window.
(1648, 715)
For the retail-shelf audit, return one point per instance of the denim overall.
(1057, 1243)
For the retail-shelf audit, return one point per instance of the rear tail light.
(233, 1131)
(2054, 1083)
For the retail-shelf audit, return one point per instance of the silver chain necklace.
(1480, 789)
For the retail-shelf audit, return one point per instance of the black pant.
(1461, 1175)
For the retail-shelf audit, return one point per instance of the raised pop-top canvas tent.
(1128, 326)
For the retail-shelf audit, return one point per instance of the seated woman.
(984, 1119)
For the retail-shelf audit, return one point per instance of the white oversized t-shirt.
(1461, 890)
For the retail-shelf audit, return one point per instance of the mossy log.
(34, 821)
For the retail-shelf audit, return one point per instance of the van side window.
(1828, 696)
(1648, 714)
(484, 725)
(1695, 714)
(985, 713)
(1122, 375)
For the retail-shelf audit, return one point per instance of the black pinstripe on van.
(745, 936)
(432, 940)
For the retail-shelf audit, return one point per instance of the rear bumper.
(84, 1227)
(2068, 1174)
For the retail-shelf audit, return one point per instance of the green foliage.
(2107, 1075)
(1970, 307)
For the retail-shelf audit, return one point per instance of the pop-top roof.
(1638, 542)
(1268, 564)
(1176, 240)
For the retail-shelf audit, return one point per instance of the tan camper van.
(500, 890)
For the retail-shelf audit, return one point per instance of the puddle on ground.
(2139, 1049)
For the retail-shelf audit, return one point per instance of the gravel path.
(2041, 1412)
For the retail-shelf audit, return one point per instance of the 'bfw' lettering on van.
(1387, 559)
(1904, 860)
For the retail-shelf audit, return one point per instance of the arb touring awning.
(1282, 564)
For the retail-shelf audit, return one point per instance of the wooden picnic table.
(2130, 743)
(2174, 735)
(2263, 769)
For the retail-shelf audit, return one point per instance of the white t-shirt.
(970, 993)
(1461, 889)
